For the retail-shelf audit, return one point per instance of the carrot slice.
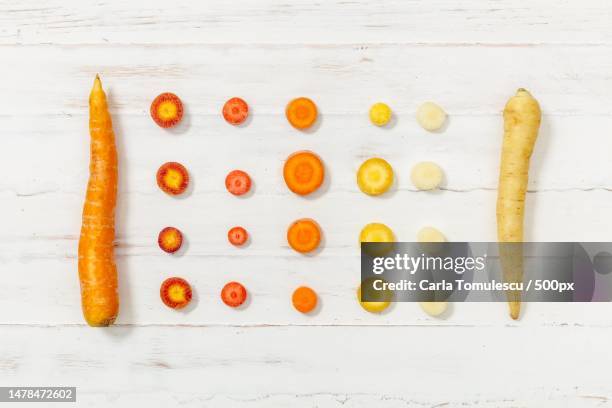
(304, 299)
(238, 182)
(172, 178)
(301, 113)
(235, 111)
(303, 172)
(237, 236)
(175, 293)
(233, 294)
(374, 306)
(167, 110)
(304, 235)
(170, 239)
(375, 176)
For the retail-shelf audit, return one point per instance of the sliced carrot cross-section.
(237, 236)
(167, 110)
(238, 182)
(301, 113)
(303, 172)
(375, 176)
(172, 178)
(233, 294)
(304, 299)
(235, 111)
(170, 239)
(304, 235)
(175, 293)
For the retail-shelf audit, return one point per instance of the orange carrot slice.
(167, 110)
(238, 182)
(303, 172)
(304, 299)
(233, 294)
(172, 178)
(235, 111)
(237, 236)
(301, 113)
(170, 239)
(304, 235)
(175, 293)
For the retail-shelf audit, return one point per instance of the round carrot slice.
(167, 110)
(304, 235)
(235, 111)
(172, 178)
(303, 172)
(170, 239)
(304, 299)
(237, 236)
(375, 176)
(175, 293)
(238, 182)
(301, 113)
(233, 294)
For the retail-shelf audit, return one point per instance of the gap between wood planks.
(281, 45)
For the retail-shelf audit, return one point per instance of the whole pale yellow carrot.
(97, 270)
(522, 116)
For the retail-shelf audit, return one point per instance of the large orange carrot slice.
(303, 172)
(97, 270)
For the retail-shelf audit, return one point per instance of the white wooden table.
(469, 56)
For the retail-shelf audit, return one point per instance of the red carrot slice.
(175, 293)
(233, 294)
(167, 110)
(238, 182)
(237, 236)
(172, 178)
(170, 239)
(235, 111)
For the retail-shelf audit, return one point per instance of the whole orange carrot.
(97, 269)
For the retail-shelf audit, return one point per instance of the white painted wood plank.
(342, 79)
(331, 367)
(51, 152)
(302, 21)
(45, 290)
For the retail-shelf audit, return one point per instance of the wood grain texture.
(302, 21)
(468, 56)
(342, 79)
(305, 367)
